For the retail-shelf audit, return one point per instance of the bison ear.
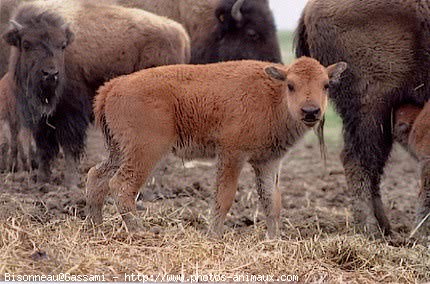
(335, 71)
(69, 34)
(13, 36)
(275, 73)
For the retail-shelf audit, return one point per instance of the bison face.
(38, 59)
(306, 88)
(246, 30)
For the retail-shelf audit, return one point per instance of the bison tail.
(99, 110)
(300, 42)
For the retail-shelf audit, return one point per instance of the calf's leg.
(229, 168)
(97, 186)
(267, 180)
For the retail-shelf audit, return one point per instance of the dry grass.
(171, 248)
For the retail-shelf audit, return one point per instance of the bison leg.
(15, 145)
(4, 147)
(47, 149)
(132, 175)
(229, 168)
(367, 148)
(97, 186)
(424, 196)
(25, 138)
(267, 180)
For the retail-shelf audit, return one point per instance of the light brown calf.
(238, 111)
(12, 135)
(411, 130)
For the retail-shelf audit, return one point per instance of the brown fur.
(239, 111)
(411, 130)
(386, 44)
(14, 140)
(109, 41)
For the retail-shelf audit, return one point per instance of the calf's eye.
(326, 87)
(290, 88)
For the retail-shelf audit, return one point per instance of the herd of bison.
(58, 124)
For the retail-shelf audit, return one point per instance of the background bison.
(387, 45)
(55, 82)
(221, 30)
(217, 31)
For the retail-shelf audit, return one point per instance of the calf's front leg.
(267, 180)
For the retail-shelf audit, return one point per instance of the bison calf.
(239, 111)
(411, 130)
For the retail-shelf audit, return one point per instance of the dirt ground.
(309, 190)
(315, 199)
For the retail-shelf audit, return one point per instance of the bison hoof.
(132, 223)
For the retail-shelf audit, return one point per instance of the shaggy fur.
(411, 129)
(386, 43)
(239, 111)
(110, 41)
(17, 143)
(215, 34)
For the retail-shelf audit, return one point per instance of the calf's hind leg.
(267, 180)
(97, 186)
(132, 175)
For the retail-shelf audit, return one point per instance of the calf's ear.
(275, 73)
(12, 36)
(335, 71)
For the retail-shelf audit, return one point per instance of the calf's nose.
(311, 113)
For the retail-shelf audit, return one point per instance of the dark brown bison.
(56, 79)
(411, 130)
(221, 30)
(15, 141)
(386, 43)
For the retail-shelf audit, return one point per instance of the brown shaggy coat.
(109, 41)
(239, 111)
(14, 140)
(386, 44)
(411, 130)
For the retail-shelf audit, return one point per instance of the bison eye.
(290, 88)
(26, 45)
(252, 34)
(326, 87)
(64, 45)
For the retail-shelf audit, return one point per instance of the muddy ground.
(315, 198)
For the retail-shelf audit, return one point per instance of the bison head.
(306, 85)
(38, 40)
(246, 30)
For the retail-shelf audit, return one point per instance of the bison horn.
(235, 10)
(16, 25)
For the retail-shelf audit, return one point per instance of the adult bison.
(221, 30)
(386, 44)
(56, 79)
(6, 8)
